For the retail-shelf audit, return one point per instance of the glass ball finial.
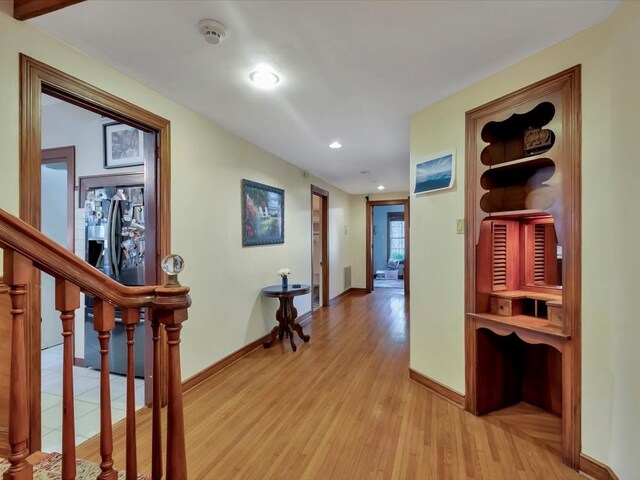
(172, 265)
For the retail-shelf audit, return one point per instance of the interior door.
(57, 172)
(319, 248)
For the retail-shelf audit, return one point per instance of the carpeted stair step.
(50, 468)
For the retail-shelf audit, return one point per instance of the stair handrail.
(57, 261)
(25, 248)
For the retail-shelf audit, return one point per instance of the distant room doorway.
(387, 244)
(319, 248)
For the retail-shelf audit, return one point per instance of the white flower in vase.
(284, 272)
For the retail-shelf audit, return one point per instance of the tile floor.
(86, 385)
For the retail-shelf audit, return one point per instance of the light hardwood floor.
(343, 407)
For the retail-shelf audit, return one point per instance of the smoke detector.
(213, 31)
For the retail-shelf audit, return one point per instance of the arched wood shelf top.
(527, 337)
(58, 262)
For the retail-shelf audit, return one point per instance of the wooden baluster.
(67, 302)
(176, 451)
(103, 323)
(130, 317)
(156, 429)
(17, 271)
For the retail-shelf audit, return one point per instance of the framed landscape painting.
(436, 173)
(262, 214)
(123, 146)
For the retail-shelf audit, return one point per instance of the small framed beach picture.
(437, 172)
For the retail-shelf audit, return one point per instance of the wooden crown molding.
(26, 9)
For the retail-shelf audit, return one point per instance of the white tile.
(48, 400)
(92, 395)
(83, 408)
(52, 441)
(84, 384)
(118, 414)
(52, 386)
(52, 417)
(119, 402)
(88, 425)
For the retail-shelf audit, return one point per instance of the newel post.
(170, 309)
(17, 271)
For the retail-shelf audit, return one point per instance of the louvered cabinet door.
(499, 256)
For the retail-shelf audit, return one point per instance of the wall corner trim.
(595, 469)
(438, 388)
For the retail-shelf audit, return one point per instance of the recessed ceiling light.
(380, 187)
(335, 144)
(264, 77)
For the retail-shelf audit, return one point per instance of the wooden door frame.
(324, 211)
(369, 239)
(36, 78)
(65, 155)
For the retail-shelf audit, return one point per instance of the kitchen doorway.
(319, 248)
(37, 78)
(387, 248)
(95, 222)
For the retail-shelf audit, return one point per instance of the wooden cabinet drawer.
(501, 306)
(555, 314)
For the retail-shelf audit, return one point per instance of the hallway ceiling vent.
(213, 31)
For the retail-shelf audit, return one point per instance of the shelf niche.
(506, 138)
(522, 299)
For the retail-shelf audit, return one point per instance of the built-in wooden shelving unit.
(522, 299)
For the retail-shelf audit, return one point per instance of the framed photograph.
(436, 173)
(262, 214)
(123, 146)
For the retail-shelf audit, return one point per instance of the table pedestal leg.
(286, 316)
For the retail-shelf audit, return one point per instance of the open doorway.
(35, 79)
(84, 223)
(388, 244)
(319, 248)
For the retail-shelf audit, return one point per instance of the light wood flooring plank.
(343, 407)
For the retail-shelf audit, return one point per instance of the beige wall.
(610, 262)
(208, 164)
(358, 237)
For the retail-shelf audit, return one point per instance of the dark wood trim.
(324, 231)
(319, 191)
(305, 319)
(68, 156)
(567, 214)
(26, 9)
(350, 291)
(221, 364)
(37, 78)
(78, 362)
(369, 240)
(594, 468)
(438, 388)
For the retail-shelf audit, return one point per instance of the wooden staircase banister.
(57, 261)
(26, 248)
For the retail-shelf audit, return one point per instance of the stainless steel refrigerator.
(115, 244)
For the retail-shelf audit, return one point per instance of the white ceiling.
(351, 70)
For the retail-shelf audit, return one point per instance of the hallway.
(342, 407)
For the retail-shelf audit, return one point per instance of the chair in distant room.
(391, 273)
